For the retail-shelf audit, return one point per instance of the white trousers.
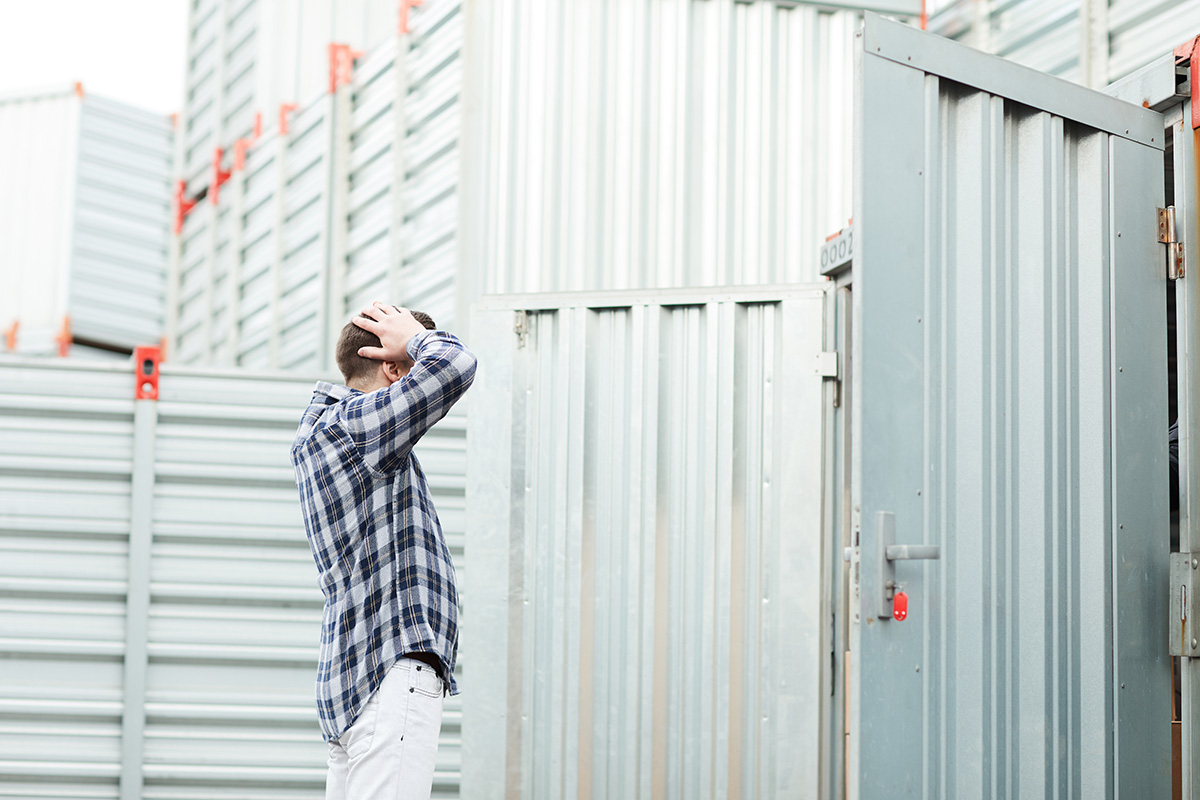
(390, 751)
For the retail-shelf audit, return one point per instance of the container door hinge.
(1184, 638)
(521, 327)
(827, 367)
(1166, 235)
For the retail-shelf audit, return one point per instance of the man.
(389, 637)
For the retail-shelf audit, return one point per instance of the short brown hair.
(354, 366)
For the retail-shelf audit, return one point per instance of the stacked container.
(490, 149)
(83, 219)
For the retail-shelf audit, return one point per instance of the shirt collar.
(330, 393)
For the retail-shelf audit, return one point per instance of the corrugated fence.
(159, 612)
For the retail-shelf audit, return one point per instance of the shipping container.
(83, 222)
(159, 607)
(701, 142)
(247, 58)
(348, 199)
(969, 432)
(648, 477)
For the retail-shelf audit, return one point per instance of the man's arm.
(386, 424)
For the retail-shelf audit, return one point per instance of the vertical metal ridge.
(938, 160)
(648, 320)
(725, 623)
(583, 333)
(661, 320)
(1013, 430)
(745, 440)
(993, 381)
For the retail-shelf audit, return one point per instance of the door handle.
(889, 553)
(912, 552)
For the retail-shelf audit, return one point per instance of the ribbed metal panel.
(304, 265)
(403, 174)
(1009, 407)
(65, 462)
(234, 610)
(359, 203)
(1047, 36)
(247, 57)
(253, 269)
(646, 488)
(84, 220)
(121, 219)
(655, 144)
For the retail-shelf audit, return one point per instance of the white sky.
(129, 50)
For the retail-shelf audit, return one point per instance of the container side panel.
(685, 144)
(661, 512)
(66, 446)
(121, 218)
(38, 158)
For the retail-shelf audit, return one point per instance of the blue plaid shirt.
(384, 565)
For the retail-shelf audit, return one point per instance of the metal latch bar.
(1184, 640)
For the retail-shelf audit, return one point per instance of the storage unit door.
(1010, 383)
(645, 522)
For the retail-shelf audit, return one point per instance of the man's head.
(358, 370)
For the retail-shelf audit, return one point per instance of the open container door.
(1010, 417)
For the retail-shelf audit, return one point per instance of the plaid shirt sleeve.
(386, 423)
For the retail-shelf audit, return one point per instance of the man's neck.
(367, 387)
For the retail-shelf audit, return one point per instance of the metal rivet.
(919, 669)
(1122, 527)
(418, 669)
(918, 492)
(1194, 644)
(1120, 369)
(411, 690)
(1122, 686)
(1195, 563)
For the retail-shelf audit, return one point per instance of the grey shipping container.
(83, 223)
(974, 424)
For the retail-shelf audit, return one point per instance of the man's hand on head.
(394, 327)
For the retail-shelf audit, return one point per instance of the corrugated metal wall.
(646, 485)
(83, 221)
(403, 174)
(365, 207)
(1010, 407)
(253, 269)
(121, 222)
(738, 169)
(1125, 34)
(66, 450)
(655, 144)
(247, 57)
(198, 492)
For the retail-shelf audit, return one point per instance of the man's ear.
(391, 371)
